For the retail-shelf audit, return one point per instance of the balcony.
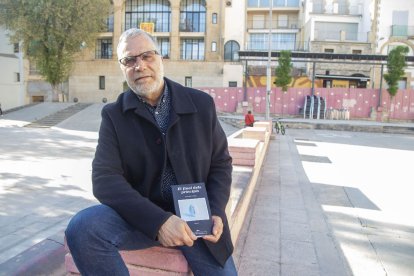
(337, 9)
(276, 24)
(276, 4)
(403, 31)
(321, 35)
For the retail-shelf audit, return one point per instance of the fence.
(359, 102)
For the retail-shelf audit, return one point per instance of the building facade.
(191, 38)
(200, 41)
(12, 90)
(393, 25)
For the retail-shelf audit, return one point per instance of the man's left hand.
(217, 230)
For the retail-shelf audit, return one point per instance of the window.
(328, 50)
(192, 49)
(110, 23)
(318, 6)
(213, 46)
(214, 18)
(280, 41)
(103, 49)
(282, 21)
(342, 7)
(258, 3)
(16, 47)
(189, 81)
(164, 45)
(17, 77)
(399, 23)
(232, 83)
(231, 51)
(155, 11)
(356, 52)
(193, 16)
(258, 21)
(101, 82)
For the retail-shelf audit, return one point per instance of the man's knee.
(86, 224)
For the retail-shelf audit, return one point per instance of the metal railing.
(256, 24)
(335, 8)
(340, 35)
(402, 31)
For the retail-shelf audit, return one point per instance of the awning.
(362, 78)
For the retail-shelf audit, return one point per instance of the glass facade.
(192, 49)
(280, 41)
(154, 11)
(231, 51)
(164, 45)
(193, 16)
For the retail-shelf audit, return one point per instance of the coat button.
(158, 141)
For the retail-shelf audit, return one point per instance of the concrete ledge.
(44, 258)
(258, 133)
(146, 262)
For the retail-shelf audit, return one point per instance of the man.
(157, 134)
(249, 119)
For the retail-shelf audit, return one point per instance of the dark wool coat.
(131, 155)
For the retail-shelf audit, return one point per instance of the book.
(192, 205)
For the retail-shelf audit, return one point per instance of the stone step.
(57, 117)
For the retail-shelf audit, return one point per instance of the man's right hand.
(176, 232)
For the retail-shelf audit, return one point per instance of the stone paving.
(327, 202)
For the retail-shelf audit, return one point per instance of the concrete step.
(57, 117)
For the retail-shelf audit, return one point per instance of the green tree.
(283, 71)
(395, 64)
(52, 32)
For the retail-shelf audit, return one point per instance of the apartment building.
(12, 90)
(191, 37)
(393, 25)
(339, 27)
(279, 19)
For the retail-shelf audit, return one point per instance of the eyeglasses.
(131, 61)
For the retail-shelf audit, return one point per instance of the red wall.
(358, 101)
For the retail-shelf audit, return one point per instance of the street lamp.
(268, 72)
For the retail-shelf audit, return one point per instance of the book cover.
(192, 205)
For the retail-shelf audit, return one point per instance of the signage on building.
(147, 26)
(340, 83)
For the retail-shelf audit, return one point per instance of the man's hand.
(176, 232)
(217, 230)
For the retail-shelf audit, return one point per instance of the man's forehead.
(138, 41)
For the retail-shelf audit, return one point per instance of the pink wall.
(358, 101)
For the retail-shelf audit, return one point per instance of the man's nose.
(139, 64)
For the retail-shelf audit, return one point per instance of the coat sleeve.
(219, 177)
(111, 188)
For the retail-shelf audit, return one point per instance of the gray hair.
(133, 32)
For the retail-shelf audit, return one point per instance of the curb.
(44, 258)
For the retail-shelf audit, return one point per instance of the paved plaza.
(327, 202)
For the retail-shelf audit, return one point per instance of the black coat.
(131, 155)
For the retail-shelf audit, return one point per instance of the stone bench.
(247, 147)
(146, 262)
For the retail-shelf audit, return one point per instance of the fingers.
(217, 230)
(176, 232)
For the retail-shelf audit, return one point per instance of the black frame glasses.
(132, 61)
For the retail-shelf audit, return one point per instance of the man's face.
(146, 77)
